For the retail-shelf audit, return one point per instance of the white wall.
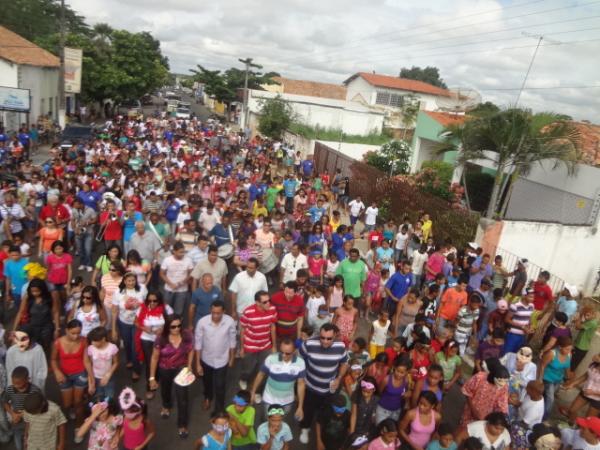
(359, 86)
(569, 252)
(354, 151)
(43, 84)
(326, 113)
(9, 77)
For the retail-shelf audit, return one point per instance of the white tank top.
(89, 320)
(380, 332)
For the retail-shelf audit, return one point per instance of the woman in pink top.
(435, 264)
(109, 284)
(418, 424)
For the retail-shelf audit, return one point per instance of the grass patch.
(332, 134)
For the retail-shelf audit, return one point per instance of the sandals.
(183, 433)
(165, 413)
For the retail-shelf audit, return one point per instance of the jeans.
(127, 333)
(181, 394)
(251, 363)
(313, 402)
(105, 391)
(549, 393)
(147, 348)
(417, 280)
(83, 243)
(177, 301)
(215, 380)
(382, 414)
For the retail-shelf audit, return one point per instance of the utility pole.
(248, 63)
(61, 107)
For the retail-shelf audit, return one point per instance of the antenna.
(460, 100)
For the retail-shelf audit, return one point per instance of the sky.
(486, 45)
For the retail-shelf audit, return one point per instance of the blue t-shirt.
(169, 136)
(316, 213)
(202, 300)
(15, 271)
(289, 187)
(284, 435)
(307, 167)
(23, 138)
(129, 225)
(172, 211)
(227, 168)
(90, 199)
(221, 235)
(252, 192)
(399, 284)
(337, 242)
(569, 307)
(435, 445)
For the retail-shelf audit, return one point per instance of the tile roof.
(312, 88)
(445, 119)
(19, 50)
(590, 142)
(404, 84)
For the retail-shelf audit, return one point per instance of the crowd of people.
(188, 253)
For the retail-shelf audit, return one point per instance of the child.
(15, 276)
(302, 283)
(442, 336)
(305, 332)
(323, 317)
(490, 348)
(316, 267)
(351, 380)
(358, 351)
(104, 359)
(380, 329)
(104, 424)
(346, 319)
(398, 347)
(315, 300)
(587, 437)
(414, 330)
(219, 437)
(60, 269)
(497, 318)
(467, 322)
(275, 434)
(241, 421)
(378, 299)
(331, 268)
(387, 432)
(371, 289)
(450, 361)
(445, 439)
(336, 293)
(14, 397)
(333, 425)
(137, 430)
(46, 424)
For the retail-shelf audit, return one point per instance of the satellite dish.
(459, 101)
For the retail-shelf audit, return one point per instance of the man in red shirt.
(542, 292)
(290, 311)
(55, 210)
(110, 222)
(257, 336)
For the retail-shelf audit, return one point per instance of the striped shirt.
(288, 313)
(322, 363)
(281, 377)
(466, 318)
(257, 327)
(521, 316)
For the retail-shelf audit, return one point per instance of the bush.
(435, 178)
(479, 189)
(335, 134)
(392, 158)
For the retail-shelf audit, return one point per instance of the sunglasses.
(86, 297)
(174, 327)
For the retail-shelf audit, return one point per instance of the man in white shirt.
(243, 287)
(356, 209)
(371, 217)
(175, 273)
(291, 263)
(12, 213)
(209, 218)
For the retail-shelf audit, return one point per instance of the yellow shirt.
(426, 229)
(257, 211)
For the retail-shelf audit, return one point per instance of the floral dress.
(485, 397)
(102, 433)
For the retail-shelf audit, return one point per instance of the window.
(43, 107)
(389, 99)
(383, 98)
(396, 100)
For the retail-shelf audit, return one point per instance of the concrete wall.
(360, 91)
(568, 252)
(9, 77)
(43, 85)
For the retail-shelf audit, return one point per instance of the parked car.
(183, 112)
(75, 134)
(147, 99)
(129, 108)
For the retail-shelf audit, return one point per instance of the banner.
(13, 99)
(73, 70)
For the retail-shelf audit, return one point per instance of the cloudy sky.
(481, 44)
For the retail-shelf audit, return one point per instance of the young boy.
(274, 434)
(45, 423)
(14, 398)
(14, 271)
(241, 421)
(445, 440)
(587, 437)
(358, 351)
(398, 347)
(420, 325)
(490, 348)
(333, 425)
(497, 318)
(467, 322)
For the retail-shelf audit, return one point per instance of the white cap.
(572, 289)
(524, 262)
(474, 245)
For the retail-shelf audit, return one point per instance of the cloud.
(475, 43)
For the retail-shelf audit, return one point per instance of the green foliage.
(479, 188)
(484, 109)
(223, 86)
(393, 158)
(276, 115)
(429, 75)
(333, 134)
(435, 178)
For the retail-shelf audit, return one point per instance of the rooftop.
(19, 50)
(445, 119)
(311, 88)
(403, 84)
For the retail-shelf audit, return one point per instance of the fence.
(329, 159)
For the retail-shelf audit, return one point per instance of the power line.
(533, 88)
(458, 27)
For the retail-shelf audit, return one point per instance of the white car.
(182, 113)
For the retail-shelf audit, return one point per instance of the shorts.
(55, 287)
(593, 403)
(76, 380)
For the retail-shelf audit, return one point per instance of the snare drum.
(225, 251)
(269, 261)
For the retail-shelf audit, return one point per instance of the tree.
(429, 75)
(514, 140)
(484, 109)
(410, 110)
(276, 115)
(392, 158)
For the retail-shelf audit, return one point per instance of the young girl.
(104, 424)
(60, 271)
(219, 437)
(137, 430)
(104, 360)
(388, 436)
(89, 310)
(141, 268)
(336, 293)
(393, 390)
(371, 290)
(450, 361)
(445, 439)
(330, 269)
(75, 287)
(351, 380)
(378, 334)
(48, 234)
(364, 403)
(315, 300)
(316, 267)
(346, 319)
(418, 424)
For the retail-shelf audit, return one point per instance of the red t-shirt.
(392, 355)
(315, 266)
(288, 313)
(114, 229)
(3, 257)
(58, 266)
(542, 293)
(257, 328)
(375, 236)
(60, 213)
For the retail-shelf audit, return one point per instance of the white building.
(388, 94)
(24, 65)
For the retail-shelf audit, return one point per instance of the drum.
(269, 261)
(225, 251)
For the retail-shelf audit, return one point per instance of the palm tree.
(514, 140)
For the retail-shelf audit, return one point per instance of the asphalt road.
(166, 436)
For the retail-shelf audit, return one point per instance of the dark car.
(75, 134)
